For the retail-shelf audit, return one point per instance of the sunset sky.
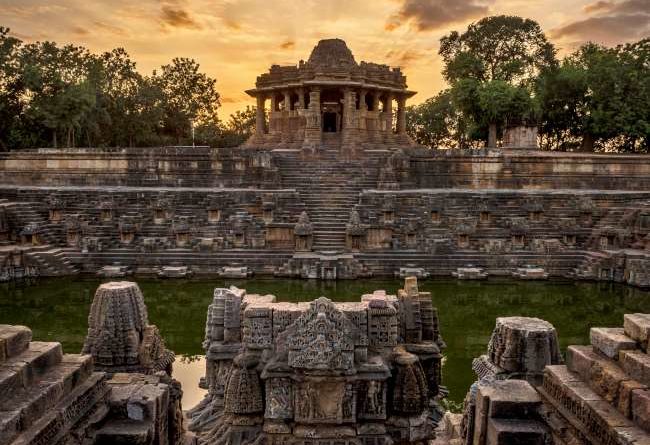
(235, 40)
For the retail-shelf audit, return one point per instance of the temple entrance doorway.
(329, 122)
(331, 110)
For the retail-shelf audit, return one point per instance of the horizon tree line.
(502, 70)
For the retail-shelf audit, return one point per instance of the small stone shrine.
(321, 372)
(120, 338)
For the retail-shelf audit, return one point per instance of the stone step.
(69, 409)
(605, 377)
(14, 340)
(587, 411)
(610, 341)
(19, 371)
(637, 327)
(25, 403)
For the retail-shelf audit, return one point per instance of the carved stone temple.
(331, 95)
(329, 187)
(321, 372)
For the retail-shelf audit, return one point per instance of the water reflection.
(57, 309)
(188, 369)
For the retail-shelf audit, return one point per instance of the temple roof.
(331, 63)
(331, 52)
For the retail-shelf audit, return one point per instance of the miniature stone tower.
(120, 338)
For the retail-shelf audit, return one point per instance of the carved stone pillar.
(362, 100)
(301, 98)
(363, 110)
(259, 117)
(401, 115)
(350, 127)
(388, 113)
(313, 128)
(287, 100)
(275, 121)
(375, 100)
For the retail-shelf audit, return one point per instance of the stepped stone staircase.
(44, 393)
(602, 392)
(329, 185)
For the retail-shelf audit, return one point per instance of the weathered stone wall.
(523, 169)
(149, 167)
(570, 214)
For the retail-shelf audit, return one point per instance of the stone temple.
(329, 187)
(331, 99)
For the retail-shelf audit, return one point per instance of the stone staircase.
(329, 185)
(43, 392)
(53, 261)
(602, 393)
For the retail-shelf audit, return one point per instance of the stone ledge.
(610, 341)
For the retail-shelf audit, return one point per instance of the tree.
(436, 122)
(11, 86)
(598, 99)
(504, 49)
(189, 96)
(56, 79)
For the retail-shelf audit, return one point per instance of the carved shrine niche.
(371, 400)
(324, 402)
(279, 399)
(323, 338)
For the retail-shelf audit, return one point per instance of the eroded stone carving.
(120, 338)
(323, 366)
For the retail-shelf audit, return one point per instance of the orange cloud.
(427, 15)
(609, 23)
(289, 44)
(178, 18)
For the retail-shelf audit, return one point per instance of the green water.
(57, 309)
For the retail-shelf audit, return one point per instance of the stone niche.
(32, 235)
(379, 238)
(356, 233)
(182, 231)
(73, 230)
(321, 372)
(56, 208)
(280, 236)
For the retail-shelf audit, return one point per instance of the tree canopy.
(502, 69)
(65, 95)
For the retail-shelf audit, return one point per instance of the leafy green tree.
(11, 86)
(189, 96)
(436, 122)
(502, 49)
(56, 80)
(598, 99)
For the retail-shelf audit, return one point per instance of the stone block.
(516, 432)
(521, 344)
(641, 408)
(636, 364)
(637, 327)
(510, 399)
(580, 359)
(625, 396)
(13, 340)
(610, 341)
(603, 375)
(504, 399)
